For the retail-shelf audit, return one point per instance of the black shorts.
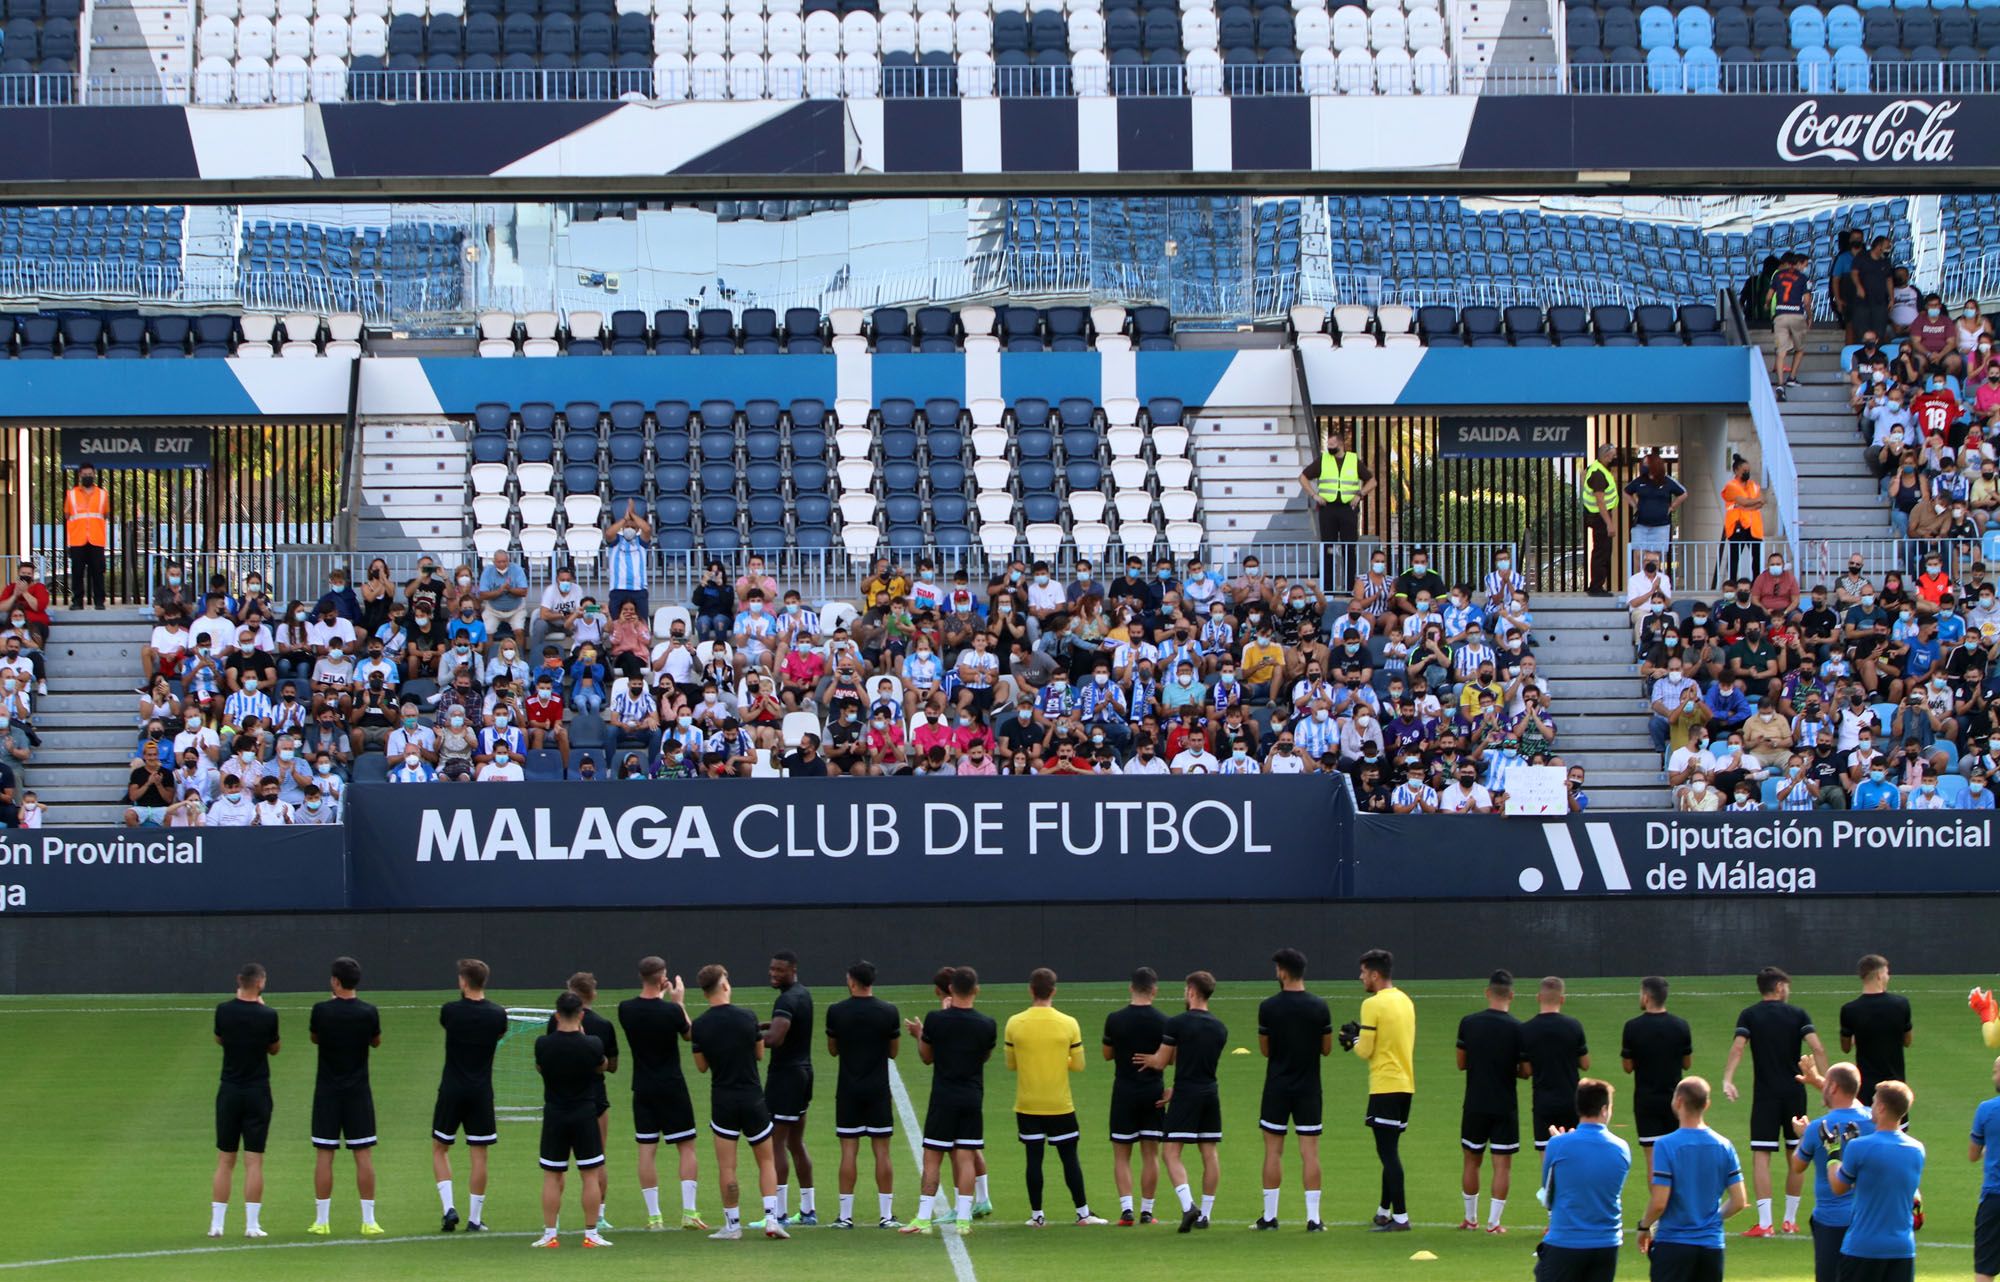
(1194, 1118)
(1049, 1128)
(468, 1110)
(347, 1115)
(1390, 1111)
(242, 1118)
(574, 1135)
(1653, 1118)
(1136, 1113)
(1301, 1110)
(870, 1114)
(1682, 1262)
(663, 1114)
(1547, 1116)
(1771, 1114)
(1855, 1269)
(1986, 1236)
(789, 1093)
(739, 1115)
(1482, 1131)
(1826, 1239)
(951, 1123)
(1575, 1263)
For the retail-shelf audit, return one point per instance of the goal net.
(517, 1087)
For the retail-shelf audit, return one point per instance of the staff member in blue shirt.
(1583, 1179)
(1697, 1184)
(1986, 1148)
(1832, 1212)
(1882, 1170)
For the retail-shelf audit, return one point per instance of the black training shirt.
(1491, 1040)
(247, 1030)
(961, 1041)
(345, 1028)
(1657, 1043)
(472, 1030)
(1134, 1030)
(569, 1064)
(795, 1052)
(1553, 1043)
(1776, 1031)
(1297, 1024)
(866, 1028)
(727, 1037)
(1198, 1039)
(653, 1028)
(1877, 1022)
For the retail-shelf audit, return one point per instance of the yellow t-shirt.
(1044, 1046)
(1389, 1042)
(1261, 663)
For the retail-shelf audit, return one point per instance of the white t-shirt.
(680, 662)
(318, 633)
(201, 737)
(1684, 754)
(495, 772)
(231, 812)
(1154, 767)
(168, 641)
(219, 633)
(1457, 799)
(1284, 763)
(274, 814)
(1195, 761)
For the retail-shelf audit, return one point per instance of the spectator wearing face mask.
(1465, 795)
(1651, 499)
(1876, 791)
(1978, 792)
(1418, 579)
(1743, 502)
(627, 561)
(503, 767)
(27, 599)
(1776, 590)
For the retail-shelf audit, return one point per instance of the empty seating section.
(1436, 325)
(88, 335)
(355, 268)
(39, 38)
(802, 331)
(1119, 248)
(255, 51)
(725, 211)
(1803, 46)
(716, 477)
(1435, 247)
(95, 249)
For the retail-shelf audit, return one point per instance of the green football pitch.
(108, 1122)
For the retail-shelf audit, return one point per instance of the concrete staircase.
(1838, 500)
(1247, 466)
(411, 490)
(88, 718)
(1583, 646)
(135, 43)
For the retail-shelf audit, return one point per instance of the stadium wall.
(1580, 938)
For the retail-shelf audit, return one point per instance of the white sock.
(731, 1217)
(322, 1210)
(806, 1206)
(979, 1188)
(847, 1206)
(252, 1213)
(477, 1207)
(547, 1233)
(1207, 1204)
(1494, 1208)
(1471, 1206)
(367, 1210)
(925, 1205)
(885, 1205)
(1083, 1211)
(216, 1210)
(652, 1196)
(688, 1188)
(1401, 1217)
(1764, 1212)
(1146, 1205)
(1792, 1208)
(1270, 1204)
(444, 1193)
(964, 1207)
(1182, 1192)
(771, 1207)
(1312, 1206)
(784, 1199)
(1125, 1204)
(1381, 1212)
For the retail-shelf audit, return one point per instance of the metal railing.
(1701, 567)
(1736, 78)
(1781, 474)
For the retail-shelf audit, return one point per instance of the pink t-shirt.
(1933, 335)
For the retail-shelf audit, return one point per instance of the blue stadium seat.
(671, 334)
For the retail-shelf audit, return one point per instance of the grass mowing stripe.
(231, 1250)
(906, 1114)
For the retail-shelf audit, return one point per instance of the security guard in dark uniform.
(1600, 504)
(1335, 483)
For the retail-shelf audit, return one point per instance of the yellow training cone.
(1241, 1050)
(1423, 1255)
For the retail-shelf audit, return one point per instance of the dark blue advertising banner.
(1763, 853)
(169, 870)
(844, 841)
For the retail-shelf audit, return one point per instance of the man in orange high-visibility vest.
(87, 528)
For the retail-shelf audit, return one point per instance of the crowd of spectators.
(1869, 693)
(259, 712)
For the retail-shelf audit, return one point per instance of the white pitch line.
(233, 1250)
(906, 1114)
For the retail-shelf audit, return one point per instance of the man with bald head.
(1839, 1089)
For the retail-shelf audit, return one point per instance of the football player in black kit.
(473, 1028)
(345, 1029)
(1192, 1042)
(656, 1023)
(788, 1085)
(1773, 1030)
(1491, 1055)
(572, 1064)
(1656, 1048)
(584, 985)
(1294, 1032)
(727, 1045)
(1130, 1032)
(247, 1031)
(864, 1033)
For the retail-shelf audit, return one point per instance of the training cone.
(1241, 1050)
(1424, 1255)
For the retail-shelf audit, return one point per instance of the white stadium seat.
(784, 77)
(670, 77)
(1311, 29)
(1185, 538)
(975, 75)
(1174, 474)
(1350, 29)
(535, 478)
(253, 79)
(216, 37)
(856, 474)
(1425, 29)
(487, 478)
(1433, 70)
(584, 542)
(1091, 538)
(488, 540)
(1392, 71)
(491, 509)
(998, 540)
(1317, 72)
(582, 509)
(1356, 70)
(823, 80)
(935, 34)
(1087, 505)
(1386, 29)
(992, 473)
(1170, 442)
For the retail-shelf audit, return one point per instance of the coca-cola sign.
(1911, 131)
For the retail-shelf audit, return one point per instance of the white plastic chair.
(708, 33)
(797, 725)
(989, 442)
(847, 321)
(1198, 29)
(253, 80)
(535, 478)
(666, 616)
(1204, 73)
(1174, 474)
(1121, 411)
(861, 75)
(670, 77)
(746, 34)
(1125, 442)
(1185, 538)
(975, 76)
(708, 78)
(216, 38)
(853, 442)
(898, 33)
(538, 509)
(586, 325)
(1132, 505)
(329, 36)
(257, 37)
(785, 33)
(1177, 505)
(1432, 70)
(1386, 29)
(1318, 73)
(584, 542)
(491, 509)
(994, 506)
(1091, 538)
(855, 474)
(1311, 29)
(1393, 71)
(823, 33)
(974, 31)
(367, 36)
(490, 539)
(992, 473)
(582, 509)
(860, 540)
(670, 33)
(1087, 505)
(998, 540)
(784, 77)
(935, 33)
(857, 508)
(1170, 441)
(1350, 29)
(823, 80)
(1425, 29)
(1356, 71)
(487, 478)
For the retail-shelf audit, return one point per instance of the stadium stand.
(355, 267)
(77, 334)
